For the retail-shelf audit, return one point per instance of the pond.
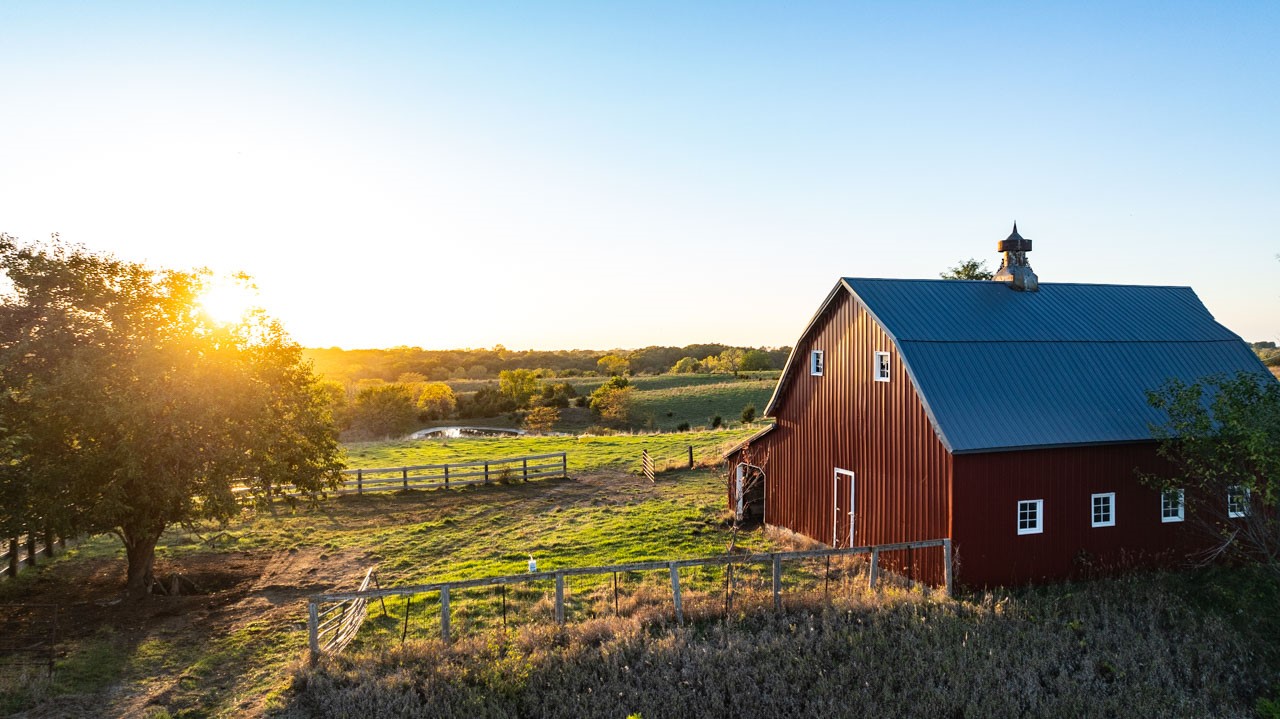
(457, 432)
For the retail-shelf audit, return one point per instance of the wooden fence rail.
(673, 567)
(455, 474)
(17, 553)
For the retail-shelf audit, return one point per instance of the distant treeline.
(391, 365)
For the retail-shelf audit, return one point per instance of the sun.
(228, 300)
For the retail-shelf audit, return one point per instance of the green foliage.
(611, 402)
(129, 409)
(1224, 433)
(687, 365)
(518, 385)
(556, 394)
(749, 414)
(730, 360)
(969, 269)
(613, 365)
(541, 419)
(716, 422)
(756, 360)
(384, 411)
(436, 401)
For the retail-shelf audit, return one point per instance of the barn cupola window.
(1030, 516)
(815, 363)
(1104, 509)
(882, 367)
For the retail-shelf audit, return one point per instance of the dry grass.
(1127, 647)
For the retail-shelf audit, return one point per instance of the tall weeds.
(1128, 647)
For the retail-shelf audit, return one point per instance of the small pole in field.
(444, 613)
(675, 592)
(690, 456)
(826, 582)
(875, 568)
(615, 594)
(408, 602)
(313, 631)
(446, 476)
(525, 465)
(777, 583)
(504, 605)
(359, 481)
(404, 473)
(946, 565)
(486, 472)
(559, 598)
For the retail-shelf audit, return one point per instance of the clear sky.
(605, 174)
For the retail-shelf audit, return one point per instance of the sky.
(616, 175)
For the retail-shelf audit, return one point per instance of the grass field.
(1193, 644)
(228, 651)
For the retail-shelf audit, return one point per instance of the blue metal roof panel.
(984, 311)
(1009, 395)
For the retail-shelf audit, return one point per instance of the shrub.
(749, 414)
(716, 422)
(682, 427)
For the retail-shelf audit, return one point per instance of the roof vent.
(1014, 268)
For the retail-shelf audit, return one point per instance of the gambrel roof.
(1068, 365)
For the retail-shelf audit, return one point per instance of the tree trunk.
(141, 550)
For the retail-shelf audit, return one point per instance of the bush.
(682, 427)
(749, 414)
(717, 422)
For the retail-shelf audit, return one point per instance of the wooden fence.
(775, 559)
(456, 474)
(333, 628)
(22, 552)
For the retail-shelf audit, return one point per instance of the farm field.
(1180, 644)
(228, 650)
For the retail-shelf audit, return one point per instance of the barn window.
(1030, 512)
(1237, 501)
(1172, 505)
(815, 362)
(1104, 509)
(882, 366)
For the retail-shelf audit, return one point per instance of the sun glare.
(227, 301)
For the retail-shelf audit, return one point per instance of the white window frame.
(1038, 527)
(876, 367)
(1165, 516)
(1110, 498)
(816, 363)
(1243, 506)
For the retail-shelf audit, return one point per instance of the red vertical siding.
(988, 486)
(879, 430)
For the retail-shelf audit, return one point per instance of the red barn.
(1010, 416)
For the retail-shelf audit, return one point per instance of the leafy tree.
(686, 365)
(611, 402)
(755, 360)
(383, 411)
(613, 365)
(969, 269)
(436, 401)
(411, 378)
(1223, 437)
(541, 419)
(127, 409)
(556, 395)
(518, 385)
(731, 359)
(749, 414)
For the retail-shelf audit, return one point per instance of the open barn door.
(844, 490)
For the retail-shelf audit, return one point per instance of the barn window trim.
(1173, 504)
(1102, 509)
(1237, 501)
(815, 363)
(880, 367)
(1030, 516)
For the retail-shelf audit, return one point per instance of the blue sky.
(617, 175)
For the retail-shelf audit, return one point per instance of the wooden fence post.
(564, 464)
(486, 472)
(690, 456)
(31, 548)
(313, 631)
(444, 613)
(777, 583)
(875, 568)
(360, 481)
(446, 476)
(524, 463)
(13, 557)
(404, 473)
(48, 540)
(560, 598)
(675, 592)
(946, 565)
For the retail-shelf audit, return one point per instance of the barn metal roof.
(1071, 364)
